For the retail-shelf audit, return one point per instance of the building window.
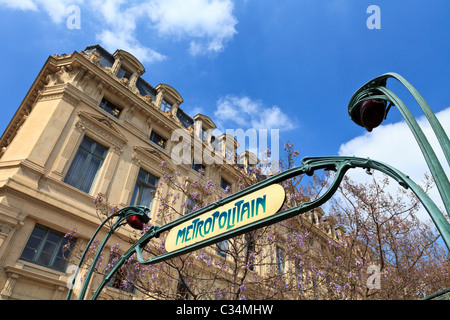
(110, 108)
(312, 216)
(119, 281)
(299, 277)
(204, 135)
(217, 145)
(190, 204)
(222, 248)
(225, 184)
(198, 167)
(165, 106)
(123, 73)
(228, 154)
(86, 164)
(280, 261)
(144, 189)
(156, 138)
(315, 289)
(45, 248)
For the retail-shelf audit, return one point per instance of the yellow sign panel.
(233, 215)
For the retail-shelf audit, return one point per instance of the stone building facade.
(89, 124)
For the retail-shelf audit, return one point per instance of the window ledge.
(37, 273)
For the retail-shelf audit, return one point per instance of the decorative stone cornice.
(65, 92)
(65, 74)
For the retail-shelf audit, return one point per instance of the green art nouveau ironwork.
(368, 107)
(340, 165)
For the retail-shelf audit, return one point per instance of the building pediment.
(207, 123)
(129, 61)
(170, 93)
(152, 157)
(96, 122)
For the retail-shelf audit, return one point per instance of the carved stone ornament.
(5, 228)
(94, 57)
(62, 76)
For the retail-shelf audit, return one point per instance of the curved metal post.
(434, 165)
(94, 262)
(121, 215)
(151, 233)
(69, 294)
(431, 117)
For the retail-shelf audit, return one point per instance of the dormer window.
(123, 73)
(203, 128)
(126, 65)
(110, 108)
(165, 106)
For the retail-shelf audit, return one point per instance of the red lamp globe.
(136, 222)
(372, 113)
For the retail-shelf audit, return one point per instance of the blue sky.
(290, 65)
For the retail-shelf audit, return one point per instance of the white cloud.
(209, 22)
(206, 25)
(273, 118)
(19, 4)
(113, 40)
(120, 32)
(56, 9)
(194, 110)
(247, 113)
(394, 144)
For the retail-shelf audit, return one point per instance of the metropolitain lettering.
(241, 212)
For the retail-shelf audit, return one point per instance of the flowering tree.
(385, 232)
(385, 253)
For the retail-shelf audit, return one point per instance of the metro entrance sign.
(250, 208)
(193, 232)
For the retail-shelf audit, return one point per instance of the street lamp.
(134, 216)
(369, 106)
